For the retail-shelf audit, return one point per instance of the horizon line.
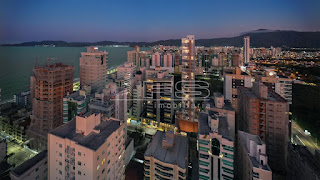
(240, 34)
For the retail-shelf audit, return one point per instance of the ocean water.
(16, 63)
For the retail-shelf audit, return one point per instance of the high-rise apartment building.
(205, 60)
(16, 125)
(186, 116)
(222, 59)
(156, 60)
(93, 68)
(76, 103)
(150, 72)
(159, 98)
(111, 101)
(280, 84)
(163, 60)
(216, 147)
(166, 157)
(246, 49)
(138, 96)
(134, 56)
(235, 60)
(266, 114)
(144, 59)
(126, 72)
(49, 85)
(231, 82)
(87, 147)
(252, 160)
(33, 168)
(127, 69)
(22, 99)
(168, 60)
(224, 109)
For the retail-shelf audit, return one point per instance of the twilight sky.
(149, 20)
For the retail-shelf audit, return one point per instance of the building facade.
(133, 56)
(93, 68)
(33, 168)
(216, 147)
(49, 85)
(246, 49)
(138, 100)
(166, 157)
(187, 116)
(87, 147)
(224, 109)
(159, 98)
(16, 125)
(266, 114)
(111, 101)
(76, 104)
(22, 99)
(279, 84)
(231, 82)
(252, 160)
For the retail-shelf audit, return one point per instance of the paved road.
(299, 137)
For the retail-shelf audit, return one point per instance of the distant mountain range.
(258, 38)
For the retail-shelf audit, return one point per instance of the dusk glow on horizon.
(146, 20)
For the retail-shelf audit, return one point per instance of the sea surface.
(16, 63)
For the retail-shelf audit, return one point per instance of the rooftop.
(203, 124)
(54, 67)
(256, 164)
(232, 73)
(93, 140)
(224, 129)
(165, 77)
(227, 104)
(175, 155)
(272, 96)
(204, 127)
(255, 138)
(76, 96)
(28, 164)
(244, 137)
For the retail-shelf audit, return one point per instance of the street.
(299, 137)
